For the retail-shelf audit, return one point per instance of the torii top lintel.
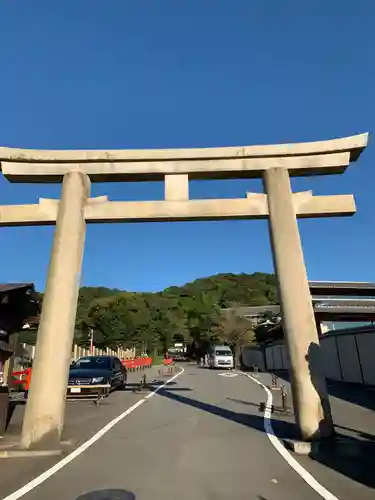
(310, 158)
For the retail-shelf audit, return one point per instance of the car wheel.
(122, 383)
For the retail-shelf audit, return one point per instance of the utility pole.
(91, 337)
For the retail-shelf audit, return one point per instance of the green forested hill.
(231, 289)
(154, 320)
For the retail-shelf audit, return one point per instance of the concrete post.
(44, 416)
(309, 390)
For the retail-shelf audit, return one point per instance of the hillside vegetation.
(153, 321)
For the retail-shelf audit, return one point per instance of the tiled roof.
(348, 288)
(8, 287)
(255, 310)
(350, 306)
(326, 305)
(342, 284)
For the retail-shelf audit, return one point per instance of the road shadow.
(285, 430)
(246, 403)
(353, 393)
(157, 382)
(181, 389)
(361, 434)
(14, 420)
(11, 409)
(355, 460)
(107, 495)
(133, 386)
(353, 455)
(352, 458)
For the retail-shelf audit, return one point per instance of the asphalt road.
(200, 438)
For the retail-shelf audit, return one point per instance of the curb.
(14, 453)
(344, 447)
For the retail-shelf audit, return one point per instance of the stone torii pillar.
(44, 415)
(309, 390)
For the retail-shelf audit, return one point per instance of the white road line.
(228, 375)
(76, 453)
(306, 476)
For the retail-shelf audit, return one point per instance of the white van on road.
(220, 356)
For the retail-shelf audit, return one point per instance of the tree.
(87, 296)
(202, 314)
(153, 321)
(235, 331)
(167, 319)
(227, 289)
(121, 320)
(269, 328)
(147, 321)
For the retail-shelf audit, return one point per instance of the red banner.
(25, 378)
(133, 364)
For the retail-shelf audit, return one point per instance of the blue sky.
(163, 73)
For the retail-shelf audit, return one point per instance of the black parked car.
(93, 375)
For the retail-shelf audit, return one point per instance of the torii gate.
(44, 417)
